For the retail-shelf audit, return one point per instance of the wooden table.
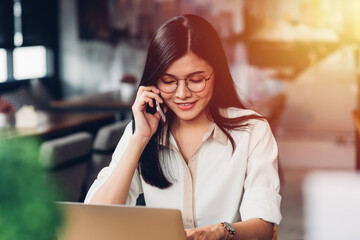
(57, 124)
(84, 113)
(109, 101)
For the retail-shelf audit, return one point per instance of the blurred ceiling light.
(18, 36)
(18, 39)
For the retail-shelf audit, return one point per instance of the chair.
(271, 108)
(20, 97)
(105, 142)
(66, 160)
(277, 106)
(104, 145)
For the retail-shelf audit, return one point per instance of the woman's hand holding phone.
(146, 123)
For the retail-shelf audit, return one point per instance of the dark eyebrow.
(196, 72)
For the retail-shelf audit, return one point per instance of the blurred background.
(69, 70)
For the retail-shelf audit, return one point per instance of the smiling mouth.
(186, 106)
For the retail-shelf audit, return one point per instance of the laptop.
(116, 222)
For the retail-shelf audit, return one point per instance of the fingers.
(145, 96)
(154, 96)
(148, 100)
(149, 92)
(149, 88)
(143, 89)
(157, 115)
(189, 234)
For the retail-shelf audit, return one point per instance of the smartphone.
(155, 109)
(162, 114)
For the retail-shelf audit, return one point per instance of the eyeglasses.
(194, 82)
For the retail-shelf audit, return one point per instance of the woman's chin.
(187, 116)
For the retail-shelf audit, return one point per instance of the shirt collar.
(219, 135)
(214, 131)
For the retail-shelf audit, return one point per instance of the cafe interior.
(70, 69)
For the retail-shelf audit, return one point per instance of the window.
(28, 40)
(3, 65)
(29, 62)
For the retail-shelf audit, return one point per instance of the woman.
(212, 158)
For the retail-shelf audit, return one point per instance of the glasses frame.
(185, 78)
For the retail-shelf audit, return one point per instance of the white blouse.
(218, 184)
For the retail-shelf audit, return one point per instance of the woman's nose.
(182, 90)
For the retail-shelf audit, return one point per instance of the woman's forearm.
(116, 189)
(253, 229)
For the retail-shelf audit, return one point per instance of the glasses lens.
(167, 84)
(196, 83)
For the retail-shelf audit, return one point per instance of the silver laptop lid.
(114, 222)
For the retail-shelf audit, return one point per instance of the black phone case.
(151, 110)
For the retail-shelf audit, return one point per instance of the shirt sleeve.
(105, 173)
(261, 197)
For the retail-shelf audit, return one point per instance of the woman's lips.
(186, 106)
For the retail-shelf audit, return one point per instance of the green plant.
(27, 210)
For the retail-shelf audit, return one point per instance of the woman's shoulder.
(123, 141)
(234, 112)
(259, 125)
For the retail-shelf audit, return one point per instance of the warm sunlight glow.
(352, 16)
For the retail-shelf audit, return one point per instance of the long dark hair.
(173, 40)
